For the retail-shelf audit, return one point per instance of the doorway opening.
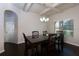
(10, 27)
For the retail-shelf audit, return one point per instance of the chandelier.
(44, 19)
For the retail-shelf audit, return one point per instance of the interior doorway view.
(10, 26)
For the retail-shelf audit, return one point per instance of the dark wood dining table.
(40, 42)
(37, 42)
(40, 39)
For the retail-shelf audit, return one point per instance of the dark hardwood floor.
(20, 50)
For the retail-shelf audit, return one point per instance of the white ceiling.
(46, 9)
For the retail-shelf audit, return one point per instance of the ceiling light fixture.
(44, 19)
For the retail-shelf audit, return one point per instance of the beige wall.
(72, 13)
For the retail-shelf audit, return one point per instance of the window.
(66, 26)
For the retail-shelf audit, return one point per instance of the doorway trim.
(16, 25)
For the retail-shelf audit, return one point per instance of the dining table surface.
(41, 38)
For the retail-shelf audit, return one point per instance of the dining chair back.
(35, 34)
(45, 33)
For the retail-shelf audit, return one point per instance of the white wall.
(4, 7)
(72, 13)
(27, 22)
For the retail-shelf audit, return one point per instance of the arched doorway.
(10, 26)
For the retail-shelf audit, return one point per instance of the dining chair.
(45, 33)
(50, 46)
(51, 40)
(29, 46)
(25, 39)
(35, 34)
(60, 41)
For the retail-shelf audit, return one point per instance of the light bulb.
(41, 19)
(47, 19)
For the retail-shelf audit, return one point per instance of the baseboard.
(2, 51)
(20, 42)
(72, 44)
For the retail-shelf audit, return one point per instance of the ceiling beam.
(24, 6)
(49, 8)
(27, 6)
(46, 10)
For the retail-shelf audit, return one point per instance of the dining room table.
(39, 39)
(37, 42)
